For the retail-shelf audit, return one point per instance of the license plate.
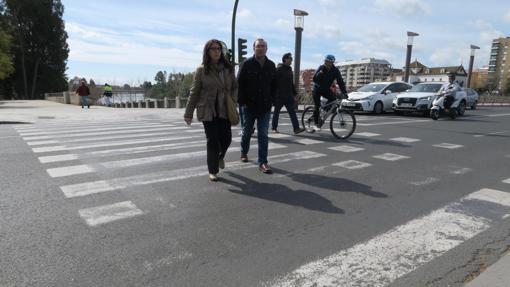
(406, 105)
(349, 104)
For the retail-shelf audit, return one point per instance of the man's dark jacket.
(257, 85)
(286, 89)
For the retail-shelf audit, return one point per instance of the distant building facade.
(364, 71)
(419, 73)
(499, 65)
(479, 78)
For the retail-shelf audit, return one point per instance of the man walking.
(286, 94)
(257, 89)
(84, 92)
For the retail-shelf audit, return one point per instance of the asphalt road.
(406, 201)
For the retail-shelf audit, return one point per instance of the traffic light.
(241, 49)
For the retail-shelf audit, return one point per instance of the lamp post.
(410, 37)
(299, 25)
(233, 43)
(471, 61)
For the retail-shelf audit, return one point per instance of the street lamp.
(410, 37)
(299, 25)
(233, 43)
(471, 61)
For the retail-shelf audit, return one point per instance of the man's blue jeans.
(262, 133)
(84, 101)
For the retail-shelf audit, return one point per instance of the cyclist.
(322, 81)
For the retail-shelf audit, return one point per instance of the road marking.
(448, 145)
(366, 134)
(429, 180)
(89, 168)
(346, 148)
(391, 123)
(507, 180)
(122, 151)
(90, 146)
(405, 140)
(386, 257)
(498, 115)
(352, 164)
(461, 171)
(94, 187)
(92, 134)
(86, 129)
(107, 213)
(278, 136)
(490, 134)
(308, 141)
(390, 156)
(105, 138)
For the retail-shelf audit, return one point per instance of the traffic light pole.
(233, 47)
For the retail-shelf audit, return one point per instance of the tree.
(160, 78)
(39, 46)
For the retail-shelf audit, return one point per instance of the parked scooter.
(457, 108)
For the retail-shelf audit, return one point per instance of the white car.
(375, 97)
(472, 98)
(418, 99)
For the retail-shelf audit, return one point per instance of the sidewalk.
(497, 275)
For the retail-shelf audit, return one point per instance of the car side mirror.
(387, 92)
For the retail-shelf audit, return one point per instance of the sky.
(129, 41)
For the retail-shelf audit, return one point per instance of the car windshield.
(372, 88)
(426, 88)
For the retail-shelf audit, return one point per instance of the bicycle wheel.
(307, 118)
(342, 124)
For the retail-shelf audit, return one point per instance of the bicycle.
(342, 123)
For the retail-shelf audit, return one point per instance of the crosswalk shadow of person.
(332, 183)
(281, 193)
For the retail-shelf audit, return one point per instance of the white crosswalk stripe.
(390, 156)
(448, 145)
(388, 256)
(346, 148)
(108, 213)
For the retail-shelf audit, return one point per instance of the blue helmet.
(330, 58)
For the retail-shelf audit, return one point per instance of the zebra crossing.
(69, 151)
(62, 145)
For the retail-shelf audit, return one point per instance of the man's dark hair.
(286, 56)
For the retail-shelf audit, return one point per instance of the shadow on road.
(332, 183)
(281, 193)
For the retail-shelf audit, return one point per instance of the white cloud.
(245, 13)
(404, 7)
(507, 16)
(283, 23)
(449, 56)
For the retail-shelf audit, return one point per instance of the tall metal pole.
(408, 62)
(471, 61)
(297, 56)
(233, 45)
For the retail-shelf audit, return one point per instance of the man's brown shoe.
(265, 168)
(244, 158)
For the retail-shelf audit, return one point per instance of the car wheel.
(378, 108)
(462, 108)
(473, 107)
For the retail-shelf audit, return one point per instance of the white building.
(419, 73)
(364, 71)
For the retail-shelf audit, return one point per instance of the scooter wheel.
(434, 114)
(453, 114)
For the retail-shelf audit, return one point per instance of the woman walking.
(214, 80)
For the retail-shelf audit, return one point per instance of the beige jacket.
(209, 90)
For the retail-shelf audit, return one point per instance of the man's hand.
(188, 121)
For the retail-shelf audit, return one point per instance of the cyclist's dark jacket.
(257, 85)
(323, 79)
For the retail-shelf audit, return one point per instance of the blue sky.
(128, 41)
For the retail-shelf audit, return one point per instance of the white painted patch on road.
(405, 140)
(390, 156)
(352, 164)
(461, 171)
(87, 188)
(392, 123)
(498, 115)
(507, 180)
(107, 213)
(448, 145)
(308, 141)
(43, 142)
(426, 181)
(383, 259)
(57, 158)
(366, 134)
(278, 136)
(346, 148)
(70, 170)
(85, 129)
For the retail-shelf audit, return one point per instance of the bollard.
(147, 104)
(165, 103)
(156, 104)
(177, 102)
(67, 98)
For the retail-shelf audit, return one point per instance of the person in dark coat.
(286, 94)
(257, 89)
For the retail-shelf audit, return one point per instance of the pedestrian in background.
(257, 88)
(214, 80)
(286, 94)
(84, 92)
(108, 93)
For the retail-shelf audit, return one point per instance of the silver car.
(472, 98)
(418, 99)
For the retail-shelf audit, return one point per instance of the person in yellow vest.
(108, 93)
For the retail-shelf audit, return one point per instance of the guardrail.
(494, 100)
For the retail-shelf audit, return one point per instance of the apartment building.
(499, 65)
(364, 71)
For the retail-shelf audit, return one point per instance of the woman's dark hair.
(206, 61)
(286, 56)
